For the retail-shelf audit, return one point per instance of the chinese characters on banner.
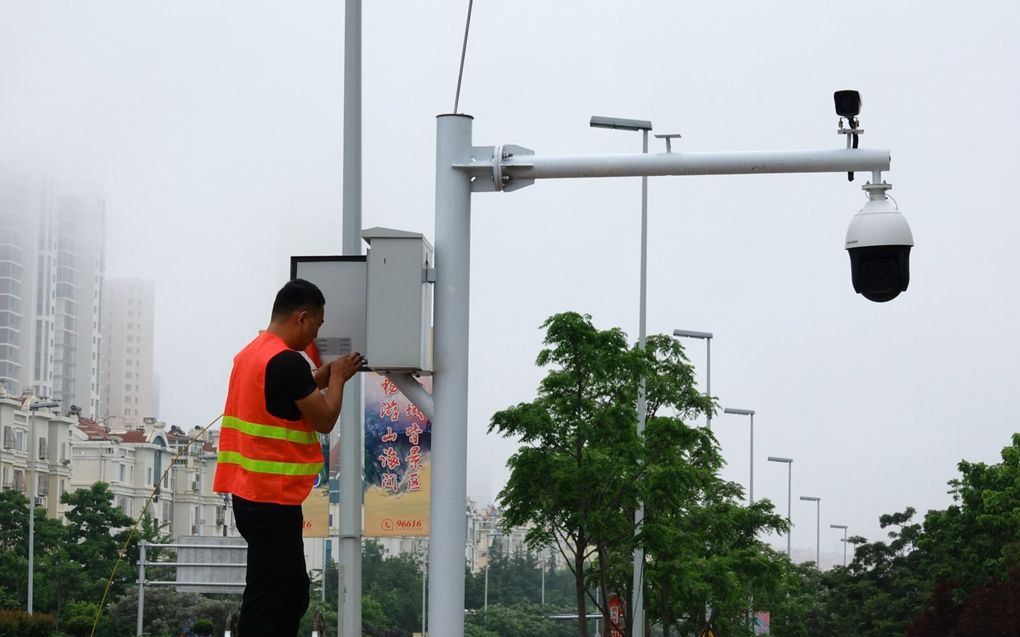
(616, 615)
(398, 444)
(315, 508)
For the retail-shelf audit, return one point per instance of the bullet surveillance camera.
(848, 103)
(879, 241)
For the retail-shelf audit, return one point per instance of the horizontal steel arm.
(523, 168)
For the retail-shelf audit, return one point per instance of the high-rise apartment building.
(51, 277)
(128, 387)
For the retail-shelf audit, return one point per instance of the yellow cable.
(131, 535)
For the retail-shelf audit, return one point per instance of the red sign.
(616, 615)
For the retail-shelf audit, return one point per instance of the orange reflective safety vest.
(263, 458)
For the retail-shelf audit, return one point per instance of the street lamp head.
(838, 526)
(34, 403)
(692, 334)
(810, 498)
(878, 242)
(619, 123)
(739, 412)
(778, 459)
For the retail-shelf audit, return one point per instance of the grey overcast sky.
(213, 129)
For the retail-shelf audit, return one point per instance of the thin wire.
(463, 54)
(145, 508)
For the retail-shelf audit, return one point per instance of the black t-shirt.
(288, 380)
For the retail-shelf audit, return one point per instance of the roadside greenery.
(575, 483)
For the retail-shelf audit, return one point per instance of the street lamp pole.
(789, 497)
(639, 515)
(32, 405)
(841, 526)
(818, 528)
(707, 337)
(462, 168)
(747, 412)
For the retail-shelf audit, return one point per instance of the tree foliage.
(582, 470)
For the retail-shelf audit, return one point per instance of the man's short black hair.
(295, 296)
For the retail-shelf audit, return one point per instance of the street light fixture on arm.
(841, 526)
(818, 528)
(618, 123)
(32, 405)
(707, 337)
(789, 497)
(747, 412)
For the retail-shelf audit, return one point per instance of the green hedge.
(18, 623)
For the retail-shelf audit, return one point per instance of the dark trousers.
(276, 586)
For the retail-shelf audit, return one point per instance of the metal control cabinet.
(399, 301)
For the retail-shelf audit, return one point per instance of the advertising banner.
(315, 508)
(398, 450)
(762, 621)
(616, 615)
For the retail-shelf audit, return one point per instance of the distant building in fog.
(128, 384)
(51, 278)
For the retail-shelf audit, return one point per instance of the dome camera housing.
(879, 241)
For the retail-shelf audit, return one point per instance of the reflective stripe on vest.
(261, 457)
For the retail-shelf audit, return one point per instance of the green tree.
(395, 583)
(575, 476)
(518, 620)
(582, 470)
(50, 538)
(96, 532)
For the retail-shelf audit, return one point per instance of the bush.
(18, 623)
(203, 627)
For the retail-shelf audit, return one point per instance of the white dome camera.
(879, 241)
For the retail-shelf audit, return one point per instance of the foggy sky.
(214, 132)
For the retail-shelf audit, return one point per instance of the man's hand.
(323, 374)
(346, 366)
(321, 410)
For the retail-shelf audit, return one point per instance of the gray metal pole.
(789, 507)
(32, 452)
(141, 588)
(708, 377)
(351, 428)
(447, 535)
(200, 464)
(750, 491)
(818, 534)
(844, 547)
(639, 515)
(424, 608)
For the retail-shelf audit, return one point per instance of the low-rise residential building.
(146, 467)
(35, 441)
